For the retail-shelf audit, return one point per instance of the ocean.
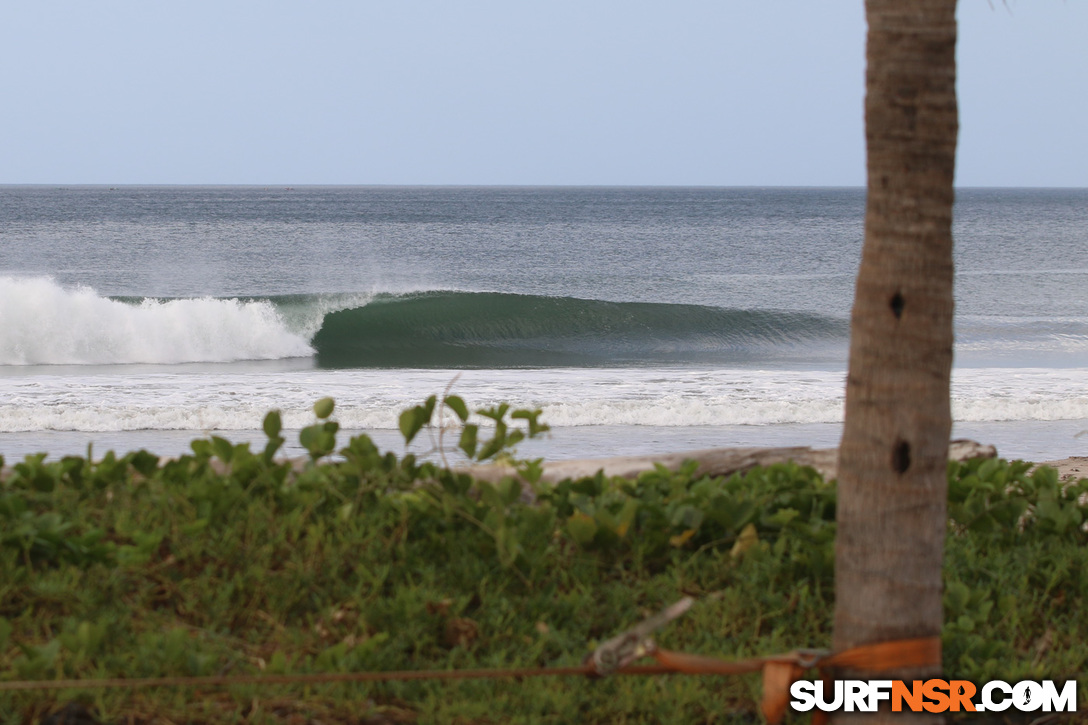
(641, 320)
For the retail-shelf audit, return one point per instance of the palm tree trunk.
(893, 457)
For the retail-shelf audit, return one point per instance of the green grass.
(226, 561)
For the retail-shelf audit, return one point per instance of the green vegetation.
(227, 561)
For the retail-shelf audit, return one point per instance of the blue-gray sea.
(641, 320)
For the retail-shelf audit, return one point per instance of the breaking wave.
(43, 323)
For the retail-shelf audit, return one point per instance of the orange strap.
(920, 652)
(781, 671)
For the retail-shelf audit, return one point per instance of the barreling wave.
(492, 329)
(43, 323)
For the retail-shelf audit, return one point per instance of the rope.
(323, 678)
(779, 671)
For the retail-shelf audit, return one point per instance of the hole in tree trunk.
(901, 457)
(897, 304)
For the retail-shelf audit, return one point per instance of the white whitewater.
(177, 399)
(43, 323)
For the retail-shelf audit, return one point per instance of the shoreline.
(577, 448)
(1074, 467)
(1035, 441)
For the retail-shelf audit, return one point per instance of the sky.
(570, 92)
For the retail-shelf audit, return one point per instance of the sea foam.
(373, 399)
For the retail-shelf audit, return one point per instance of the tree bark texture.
(893, 456)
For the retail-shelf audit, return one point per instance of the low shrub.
(227, 560)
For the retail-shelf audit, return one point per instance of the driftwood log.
(712, 462)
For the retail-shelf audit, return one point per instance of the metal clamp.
(635, 643)
(809, 658)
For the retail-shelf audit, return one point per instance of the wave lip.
(42, 323)
(495, 329)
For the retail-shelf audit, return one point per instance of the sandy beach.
(724, 461)
(1075, 467)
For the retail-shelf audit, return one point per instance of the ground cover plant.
(229, 561)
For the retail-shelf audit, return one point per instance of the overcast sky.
(705, 92)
